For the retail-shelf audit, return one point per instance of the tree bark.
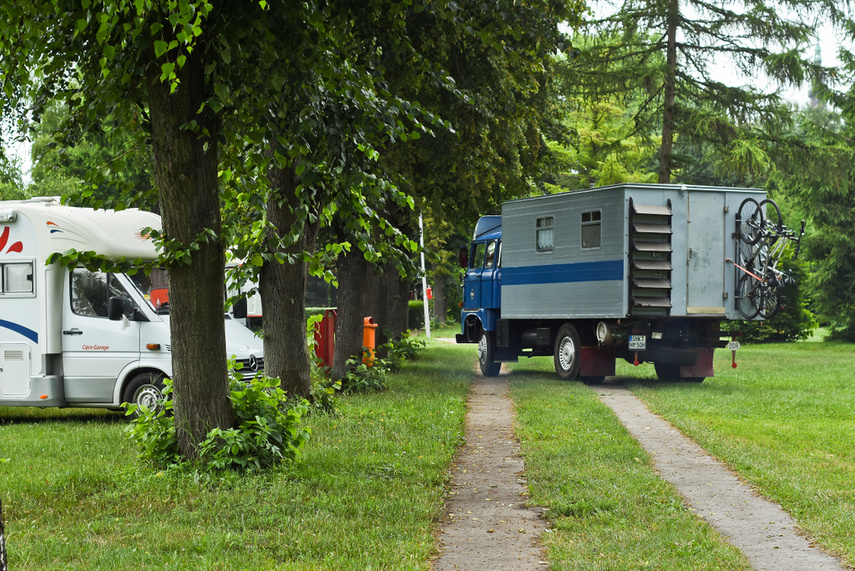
(3, 562)
(352, 274)
(282, 287)
(440, 300)
(397, 300)
(186, 174)
(670, 90)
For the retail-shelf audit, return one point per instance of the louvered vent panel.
(650, 265)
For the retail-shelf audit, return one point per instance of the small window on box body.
(591, 229)
(545, 240)
(17, 278)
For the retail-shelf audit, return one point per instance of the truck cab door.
(94, 348)
(472, 280)
(490, 275)
(481, 286)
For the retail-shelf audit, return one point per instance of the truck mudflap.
(703, 366)
(596, 362)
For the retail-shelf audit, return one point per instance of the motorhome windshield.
(154, 287)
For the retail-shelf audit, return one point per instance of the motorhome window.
(490, 259)
(591, 229)
(477, 259)
(90, 292)
(154, 287)
(544, 234)
(17, 278)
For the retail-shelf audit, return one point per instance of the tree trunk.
(670, 90)
(397, 297)
(352, 274)
(186, 175)
(3, 563)
(440, 301)
(282, 287)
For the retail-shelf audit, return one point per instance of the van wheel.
(486, 346)
(567, 352)
(145, 390)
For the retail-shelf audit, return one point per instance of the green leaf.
(160, 48)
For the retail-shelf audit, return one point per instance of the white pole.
(424, 277)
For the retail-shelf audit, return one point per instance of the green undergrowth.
(366, 492)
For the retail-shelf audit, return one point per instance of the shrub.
(268, 429)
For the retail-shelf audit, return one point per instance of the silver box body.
(631, 233)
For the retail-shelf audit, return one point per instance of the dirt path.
(488, 526)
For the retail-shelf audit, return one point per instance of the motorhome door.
(95, 349)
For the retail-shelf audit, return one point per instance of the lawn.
(368, 491)
(783, 419)
(366, 494)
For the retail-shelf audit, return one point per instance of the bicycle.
(760, 243)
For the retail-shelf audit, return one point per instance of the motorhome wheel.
(145, 390)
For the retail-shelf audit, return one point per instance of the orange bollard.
(368, 340)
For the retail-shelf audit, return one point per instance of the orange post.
(368, 340)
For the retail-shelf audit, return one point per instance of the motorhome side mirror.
(239, 310)
(463, 257)
(115, 308)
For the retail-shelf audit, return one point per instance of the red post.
(325, 338)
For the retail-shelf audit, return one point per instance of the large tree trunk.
(3, 564)
(283, 288)
(352, 274)
(670, 90)
(186, 173)
(397, 301)
(440, 300)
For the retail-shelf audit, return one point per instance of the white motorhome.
(80, 338)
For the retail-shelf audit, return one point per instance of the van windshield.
(154, 287)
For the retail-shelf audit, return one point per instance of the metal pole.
(424, 276)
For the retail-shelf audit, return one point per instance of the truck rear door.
(706, 253)
(94, 349)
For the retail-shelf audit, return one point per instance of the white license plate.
(637, 342)
(733, 345)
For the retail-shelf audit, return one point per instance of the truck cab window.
(17, 278)
(90, 292)
(591, 229)
(490, 259)
(545, 241)
(477, 259)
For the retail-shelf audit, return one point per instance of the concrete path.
(487, 524)
(761, 529)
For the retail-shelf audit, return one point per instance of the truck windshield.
(154, 287)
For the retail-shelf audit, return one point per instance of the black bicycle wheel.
(748, 296)
(777, 224)
(750, 217)
(770, 299)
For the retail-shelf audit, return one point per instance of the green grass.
(784, 420)
(607, 508)
(366, 494)
(368, 491)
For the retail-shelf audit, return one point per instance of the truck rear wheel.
(145, 390)
(486, 347)
(567, 352)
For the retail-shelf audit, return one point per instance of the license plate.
(637, 342)
(733, 345)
